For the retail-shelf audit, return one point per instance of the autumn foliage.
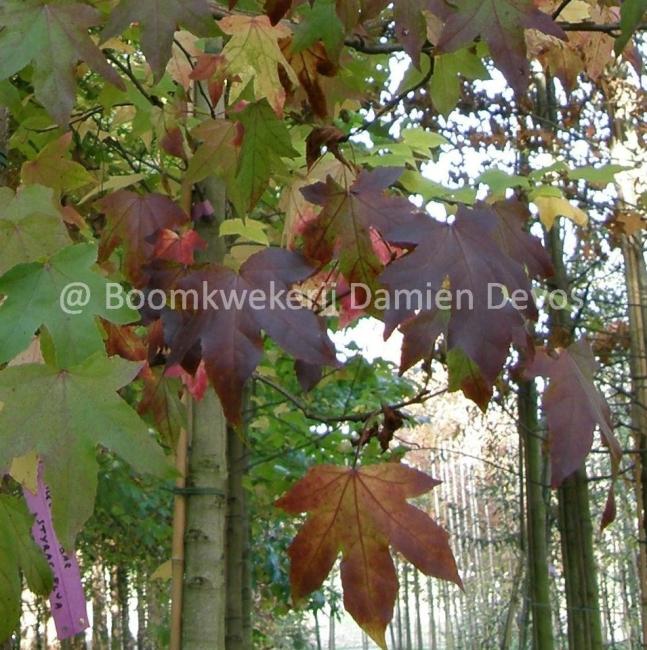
(125, 112)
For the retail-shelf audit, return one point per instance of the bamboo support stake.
(177, 551)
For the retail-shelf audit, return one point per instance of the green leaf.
(253, 57)
(63, 415)
(31, 227)
(18, 553)
(158, 20)
(319, 22)
(53, 168)
(464, 375)
(266, 140)
(249, 229)
(598, 176)
(53, 36)
(33, 299)
(420, 140)
(416, 183)
(499, 181)
(445, 84)
(631, 13)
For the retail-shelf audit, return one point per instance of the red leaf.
(131, 221)
(178, 248)
(276, 9)
(361, 512)
(229, 328)
(517, 243)
(467, 253)
(323, 136)
(501, 24)
(574, 407)
(173, 143)
(343, 229)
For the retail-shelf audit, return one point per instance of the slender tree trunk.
(416, 593)
(238, 614)
(141, 613)
(432, 620)
(508, 627)
(116, 633)
(317, 629)
(217, 600)
(537, 547)
(331, 631)
(407, 612)
(156, 606)
(636, 285)
(203, 601)
(576, 530)
(99, 622)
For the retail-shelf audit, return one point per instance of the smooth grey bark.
(203, 601)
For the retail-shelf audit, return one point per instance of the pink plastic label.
(67, 599)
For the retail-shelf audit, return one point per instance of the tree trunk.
(537, 547)
(142, 632)
(203, 599)
(99, 622)
(116, 633)
(576, 530)
(432, 620)
(416, 593)
(636, 285)
(407, 613)
(217, 600)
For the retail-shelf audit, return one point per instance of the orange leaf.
(361, 512)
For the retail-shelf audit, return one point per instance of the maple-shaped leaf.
(178, 248)
(319, 21)
(228, 326)
(465, 253)
(31, 227)
(53, 168)
(254, 57)
(574, 407)
(310, 65)
(501, 24)
(276, 9)
(411, 26)
(18, 555)
(631, 14)
(361, 513)
(342, 229)
(218, 151)
(39, 294)
(53, 36)
(132, 220)
(518, 244)
(63, 415)
(158, 20)
(161, 401)
(266, 140)
(420, 334)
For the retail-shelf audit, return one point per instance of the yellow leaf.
(551, 207)
(253, 55)
(24, 470)
(164, 571)
(576, 11)
(113, 183)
